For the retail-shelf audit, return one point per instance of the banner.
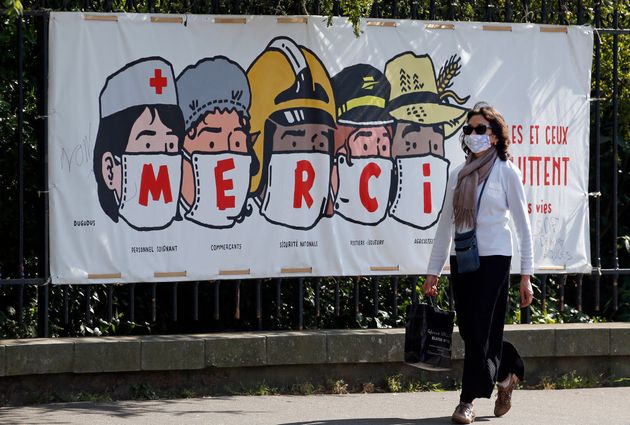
(191, 147)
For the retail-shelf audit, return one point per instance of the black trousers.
(480, 303)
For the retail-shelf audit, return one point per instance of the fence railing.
(275, 303)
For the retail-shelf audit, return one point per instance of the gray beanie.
(210, 84)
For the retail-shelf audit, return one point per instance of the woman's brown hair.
(497, 124)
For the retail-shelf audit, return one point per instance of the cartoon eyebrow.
(145, 133)
(210, 130)
(410, 128)
(363, 133)
(293, 133)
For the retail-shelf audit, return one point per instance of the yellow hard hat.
(289, 82)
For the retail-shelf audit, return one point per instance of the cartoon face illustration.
(137, 164)
(218, 131)
(362, 170)
(215, 97)
(302, 138)
(412, 139)
(293, 118)
(424, 120)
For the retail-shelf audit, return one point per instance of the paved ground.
(609, 406)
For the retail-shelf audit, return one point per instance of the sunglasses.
(480, 129)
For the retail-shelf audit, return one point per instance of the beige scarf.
(475, 172)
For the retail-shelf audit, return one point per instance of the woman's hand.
(430, 285)
(527, 293)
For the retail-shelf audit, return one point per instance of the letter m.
(156, 186)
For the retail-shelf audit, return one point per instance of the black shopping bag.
(428, 337)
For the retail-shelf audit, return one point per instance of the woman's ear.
(493, 138)
(111, 172)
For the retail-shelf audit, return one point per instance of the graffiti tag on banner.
(269, 154)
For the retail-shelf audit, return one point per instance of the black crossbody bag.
(466, 249)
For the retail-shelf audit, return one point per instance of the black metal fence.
(281, 303)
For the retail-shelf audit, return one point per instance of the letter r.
(303, 184)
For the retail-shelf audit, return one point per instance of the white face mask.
(150, 189)
(421, 189)
(221, 188)
(363, 192)
(477, 142)
(291, 200)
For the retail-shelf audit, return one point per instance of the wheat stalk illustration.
(447, 73)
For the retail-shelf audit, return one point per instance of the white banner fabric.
(200, 148)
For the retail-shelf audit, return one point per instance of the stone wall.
(223, 363)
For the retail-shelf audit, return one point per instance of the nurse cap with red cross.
(147, 81)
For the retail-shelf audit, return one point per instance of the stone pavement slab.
(595, 406)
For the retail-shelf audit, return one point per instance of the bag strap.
(482, 189)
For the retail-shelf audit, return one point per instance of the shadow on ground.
(386, 421)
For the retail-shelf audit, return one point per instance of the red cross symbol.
(158, 82)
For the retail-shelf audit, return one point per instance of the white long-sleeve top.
(503, 200)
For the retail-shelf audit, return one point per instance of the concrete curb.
(237, 350)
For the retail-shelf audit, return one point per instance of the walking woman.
(485, 193)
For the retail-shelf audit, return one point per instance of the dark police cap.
(361, 93)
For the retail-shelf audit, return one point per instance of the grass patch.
(89, 397)
(398, 384)
(339, 387)
(143, 391)
(572, 380)
(259, 389)
(189, 393)
(393, 384)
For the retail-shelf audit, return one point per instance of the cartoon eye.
(384, 148)
(414, 145)
(365, 147)
(211, 145)
(171, 145)
(321, 144)
(148, 145)
(237, 144)
(294, 144)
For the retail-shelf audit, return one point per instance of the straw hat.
(417, 96)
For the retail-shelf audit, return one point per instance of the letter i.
(426, 171)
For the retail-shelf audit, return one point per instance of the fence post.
(615, 157)
(508, 11)
(44, 264)
(300, 312)
(259, 324)
(375, 299)
(598, 120)
(20, 141)
(395, 280)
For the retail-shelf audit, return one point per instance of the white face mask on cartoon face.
(150, 189)
(364, 186)
(477, 142)
(221, 188)
(420, 190)
(297, 189)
